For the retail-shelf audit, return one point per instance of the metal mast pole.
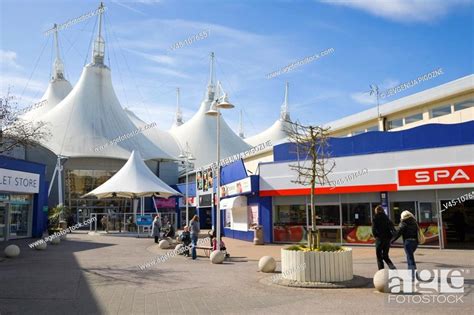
(218, 192)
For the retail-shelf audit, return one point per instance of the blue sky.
(384, 42)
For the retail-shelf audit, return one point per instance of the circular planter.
(314, 266)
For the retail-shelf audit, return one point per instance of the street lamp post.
(219, 103)
(187, 156)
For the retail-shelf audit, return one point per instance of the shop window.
(373, 128)
(427, 212)
(398, 207)
(228, 218)
(441, 111)
(395, 123)
(328, 215)
(289, 223)
(357, 132)
(464, 105)
(356, 214)
(356, 220)
(413, 118)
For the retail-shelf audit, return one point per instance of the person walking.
(408, 229)
(156, 228)
(194, 231)
(382, 230)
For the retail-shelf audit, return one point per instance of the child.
(185, 237)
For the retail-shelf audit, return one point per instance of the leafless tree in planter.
(16, 132)
(313, 166)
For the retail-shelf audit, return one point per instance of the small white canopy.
(134, 180)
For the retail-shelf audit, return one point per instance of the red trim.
(329, 190)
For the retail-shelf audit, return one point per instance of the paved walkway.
(99, 275)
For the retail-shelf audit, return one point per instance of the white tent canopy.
(279, 130)
(134, 180)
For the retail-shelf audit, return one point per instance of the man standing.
(194, 231)
(382, 229)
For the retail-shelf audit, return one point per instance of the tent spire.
(58, 66)
(211, 85)
(285, 111)
(241, 126)
(99, 44)
(179, 114)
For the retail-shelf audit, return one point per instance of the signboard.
(204, 180)
(448, 175)
(191, 202)
(16, 181)
(384, 201)
(162, 203)
(253, 215)
(236, 188)
(144, 220)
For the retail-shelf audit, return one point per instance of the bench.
(207, 250)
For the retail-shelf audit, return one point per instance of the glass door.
(328, 221)
(20, 216)
(3, 220)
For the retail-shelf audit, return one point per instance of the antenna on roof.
(58, 66)
(179, 114)
(211, 85)
(285, 111)
(99, 44)
(241, 126)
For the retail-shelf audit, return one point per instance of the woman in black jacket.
(382, 230)
(408, 229)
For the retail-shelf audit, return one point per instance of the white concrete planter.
(317, 266)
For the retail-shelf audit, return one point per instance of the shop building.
(23, 199)
(421, 170)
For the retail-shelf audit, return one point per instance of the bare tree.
(16, 132)
(313, 166)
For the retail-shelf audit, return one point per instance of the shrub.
(329, 248)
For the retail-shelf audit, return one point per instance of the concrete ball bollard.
(217, 257)
(12, 251)
(164, 244)
(56, 241)
(41, 246)
(381, 281)
(267, 264)
(179, 248)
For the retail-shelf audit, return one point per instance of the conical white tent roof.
(200, 133)
(134, 180)
(278, 131)
(90, 118)
(275, 134)
(57, 90)
(161, 138)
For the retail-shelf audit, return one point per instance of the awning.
(234, 202)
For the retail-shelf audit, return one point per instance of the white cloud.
(169, 72)
(365, 98)
(403, 10)
(8, 59)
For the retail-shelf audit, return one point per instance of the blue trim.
(233, 172)
(182, 188)
(422, 137)
(40, 218)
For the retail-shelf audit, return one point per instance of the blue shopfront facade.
(23, 199)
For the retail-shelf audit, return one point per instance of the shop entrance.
(3, 221)
(328, 221)
(458, 221)
(16, 216)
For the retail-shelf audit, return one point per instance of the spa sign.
(16, 181)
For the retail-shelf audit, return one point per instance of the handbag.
(421, 236)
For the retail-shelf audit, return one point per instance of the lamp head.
(212, 112)
(225, 103)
